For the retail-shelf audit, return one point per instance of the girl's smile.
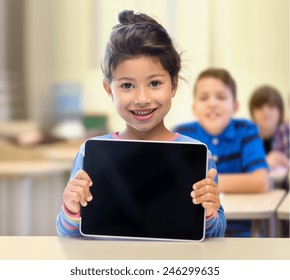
(143, 115)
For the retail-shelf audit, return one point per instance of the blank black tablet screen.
(142, 189)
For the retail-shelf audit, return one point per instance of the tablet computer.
(141, 190)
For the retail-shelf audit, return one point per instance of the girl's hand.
(77, 192)
(205, 192)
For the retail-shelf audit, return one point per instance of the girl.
(141, 68)
(267, 111)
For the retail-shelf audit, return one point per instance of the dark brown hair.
(220, 74)
(139, 34)
(266, 95)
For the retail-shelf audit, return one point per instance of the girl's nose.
(142, 97)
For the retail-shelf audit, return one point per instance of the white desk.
(30, 196)
(283, 211)
(47, 248)
(256, 207)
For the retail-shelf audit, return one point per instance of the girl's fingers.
(83, 179)
(211, 173)
(81, 174)
(207, 181)
(83, 184)
(207, 197)
(78, 194)
(210, 203)
(203, 190)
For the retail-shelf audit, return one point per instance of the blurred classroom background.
(51, 82)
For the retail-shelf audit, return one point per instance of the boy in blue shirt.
(235, 143)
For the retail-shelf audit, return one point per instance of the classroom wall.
(64, 41)
(251, 39)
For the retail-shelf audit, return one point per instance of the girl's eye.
(155, 83)
(127, 85)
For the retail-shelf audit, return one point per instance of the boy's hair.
(266, 95)
(137, 35)
(220, 74)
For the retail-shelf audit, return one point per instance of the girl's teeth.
(143, 113)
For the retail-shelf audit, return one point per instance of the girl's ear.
(108, 89)
(174, 86)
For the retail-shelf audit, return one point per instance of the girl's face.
(267, 118)
(141, 91)
(214, 105)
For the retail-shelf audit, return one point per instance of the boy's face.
(142, 91)
(214, 105)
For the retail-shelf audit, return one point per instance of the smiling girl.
(141, 68)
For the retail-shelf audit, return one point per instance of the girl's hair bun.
(127, 17)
